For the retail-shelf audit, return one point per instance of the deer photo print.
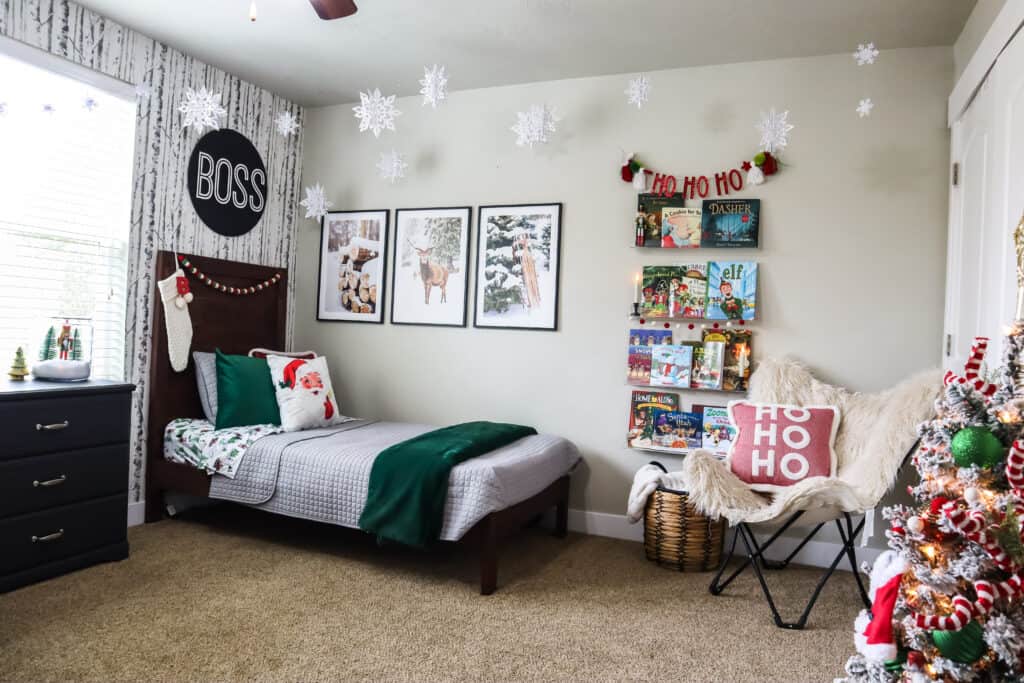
(517, 263)
(431, 258)
(353, 248)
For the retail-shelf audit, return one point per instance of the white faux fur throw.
(646, 480)
(875, 433)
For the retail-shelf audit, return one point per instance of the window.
(67, 139)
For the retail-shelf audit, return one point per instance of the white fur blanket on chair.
(875, 433)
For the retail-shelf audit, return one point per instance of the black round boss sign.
(227, 182)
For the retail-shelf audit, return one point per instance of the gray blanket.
(323, 474)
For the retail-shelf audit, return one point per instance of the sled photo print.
(517, 261)
(429, 284)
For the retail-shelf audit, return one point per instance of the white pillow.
(304, 394)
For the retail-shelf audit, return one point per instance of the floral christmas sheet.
(197, 443)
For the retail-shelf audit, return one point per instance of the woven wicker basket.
(679, 537)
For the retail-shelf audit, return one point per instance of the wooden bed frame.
(236, 324)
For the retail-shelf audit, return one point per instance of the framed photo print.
(353, 261)
(517, 260)
(429, 283)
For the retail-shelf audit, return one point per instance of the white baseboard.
(814, 553)
(136, 513)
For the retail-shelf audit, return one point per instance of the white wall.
(978, 24)
(853, 237)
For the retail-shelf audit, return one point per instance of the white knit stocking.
(178, 321)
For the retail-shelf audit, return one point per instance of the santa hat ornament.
(873, 633)
(175, 296)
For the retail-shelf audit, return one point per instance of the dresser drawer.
(34, 539)
(45, 481)
(45, 425)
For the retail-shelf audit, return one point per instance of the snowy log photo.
(517, 266)
(431, 259)
(352, 263)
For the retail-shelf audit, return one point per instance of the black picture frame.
(385, 214)
(555, 247)
(464, 264)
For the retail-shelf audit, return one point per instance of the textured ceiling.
(289, 51)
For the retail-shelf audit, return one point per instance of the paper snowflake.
(376, 112)
(534, 125)
(49, 109)
(865, 54)
(865, 107)
(90, 104)
(202, 109)
(435, 86)
(392, 166)
(316, 203)
(286, 123)
(774, 127)
(639, 91)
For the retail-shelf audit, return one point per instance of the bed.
(322, 474)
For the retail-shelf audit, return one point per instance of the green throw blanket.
(409, 481)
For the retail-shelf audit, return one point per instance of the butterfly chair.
(876, 434)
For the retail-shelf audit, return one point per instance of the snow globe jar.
(65, 350)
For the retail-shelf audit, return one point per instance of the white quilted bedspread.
(323, 474)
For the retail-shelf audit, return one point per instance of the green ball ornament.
(965, 646)
(976, 446)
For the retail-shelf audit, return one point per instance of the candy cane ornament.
(1015, 465)
(972, 370)
(971, 525)
(962, 613)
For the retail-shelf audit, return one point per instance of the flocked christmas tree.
(48, 349)
(949, 596)
(76, 346)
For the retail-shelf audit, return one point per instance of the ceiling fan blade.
(334, 9)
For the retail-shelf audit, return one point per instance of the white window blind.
(66, 157)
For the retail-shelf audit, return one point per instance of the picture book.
(707, 365)
(732, 290)
(660, 284)
(736, 373)
(680, 227)
(692, 292)
(677, 430)
(719, 431)
(639, 364)
(670, 365)
(730, 222)
(642, 337)
(641, 415)
(649, 210)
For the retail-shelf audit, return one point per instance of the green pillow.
(245, 392)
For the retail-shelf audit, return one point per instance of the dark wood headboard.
(231, 323)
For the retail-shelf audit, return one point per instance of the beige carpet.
(236, 595)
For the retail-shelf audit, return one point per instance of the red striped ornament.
(972, 370)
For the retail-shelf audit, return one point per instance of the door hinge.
(949, 344)
(956, 174)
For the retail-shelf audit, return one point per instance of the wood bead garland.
(227, 289)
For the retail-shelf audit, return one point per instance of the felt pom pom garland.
(227, 289)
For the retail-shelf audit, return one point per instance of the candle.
(636, 293)
(744, 352)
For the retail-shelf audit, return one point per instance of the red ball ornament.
(915, 659)
(743, 322)
(899, 530)
(667, 326)
(641, 319)
(690, 326)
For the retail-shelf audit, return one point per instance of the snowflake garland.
(865, 54)
(774, 128)
(316, 203)
(286, 123)
(534, 125)
(202, 110)
(435, 86)
(865, 107)
(376, 112)
(638, 91)
(392, 166)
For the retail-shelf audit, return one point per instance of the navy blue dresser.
(63, 477)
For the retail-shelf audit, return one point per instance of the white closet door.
(984, 208)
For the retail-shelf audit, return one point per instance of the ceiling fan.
(334, 9)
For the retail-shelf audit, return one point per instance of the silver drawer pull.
(52, 428)
(51, 482)
(48, 538)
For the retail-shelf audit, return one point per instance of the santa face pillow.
(303, 391)
(778, 446)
